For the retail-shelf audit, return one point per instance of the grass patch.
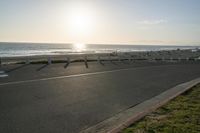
(181, 115)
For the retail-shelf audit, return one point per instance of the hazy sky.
(101, 21)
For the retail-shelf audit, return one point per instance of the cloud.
(153, 22)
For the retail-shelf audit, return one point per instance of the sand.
(172, 55)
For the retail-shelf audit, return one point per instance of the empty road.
(58, 99)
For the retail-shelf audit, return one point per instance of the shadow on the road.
(101, 62)
(42, 67)
(125, 62)
(16, 68)
(113, 62)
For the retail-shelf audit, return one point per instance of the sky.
(165, 22)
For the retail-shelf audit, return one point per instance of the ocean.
(31, 49)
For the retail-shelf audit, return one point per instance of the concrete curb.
(124, 119)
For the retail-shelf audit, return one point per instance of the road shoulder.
(124, 119)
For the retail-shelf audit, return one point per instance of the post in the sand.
(129, 58)
(67, 62)
(49, 61)
(85, 60)
(0, 61)
(132, 58)
(27, 61)
(109, 57)
(99, 59)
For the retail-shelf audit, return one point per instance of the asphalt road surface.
(68, 99)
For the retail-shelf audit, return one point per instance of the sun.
(80, 21)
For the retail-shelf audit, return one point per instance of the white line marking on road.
(76, 75)
(62, 77)
(3, 74)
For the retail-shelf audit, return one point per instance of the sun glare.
(79, 46)
(80, 21)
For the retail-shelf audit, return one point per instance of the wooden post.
(68, 60)
(49, 61)
(109, 57)
(85, 60)
(132, 58)
(99, 60)
(129, 58)
(27, 61)
(0, 61)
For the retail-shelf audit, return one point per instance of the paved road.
(56, 100)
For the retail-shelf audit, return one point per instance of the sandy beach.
(168, 55)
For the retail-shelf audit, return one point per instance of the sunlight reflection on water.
(79, 47)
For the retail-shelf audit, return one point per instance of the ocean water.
(31, 49)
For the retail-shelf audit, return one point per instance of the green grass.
(181, 115)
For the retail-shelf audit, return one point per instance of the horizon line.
(70, 43)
